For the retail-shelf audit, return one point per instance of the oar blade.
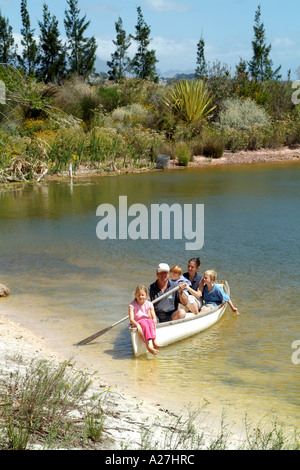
(92, 337)
(100, 333)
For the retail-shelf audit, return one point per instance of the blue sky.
(176, 27)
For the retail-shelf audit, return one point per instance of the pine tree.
(201, 70)
(51, 52)
(29, 54)
(143, 63)
(82, 51)
(8, 49)
(119, 62)
(261, 65)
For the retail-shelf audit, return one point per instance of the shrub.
(279, 103)
(65, 145)
(197, 146)
(166, 148)
(242, 114)
(183, 153)
(131, 114)
(109, 97)
(79, 99)
(141, 145)
(135, 90)
(39, 405)
(213, 146)
(105, 144)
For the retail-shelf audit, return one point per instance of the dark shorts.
(164, 317)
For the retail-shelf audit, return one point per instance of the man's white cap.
(163, 267)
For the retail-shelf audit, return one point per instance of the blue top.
(183, 279)
(216, 296)
(195, 282)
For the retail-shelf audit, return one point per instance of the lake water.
(66, 283)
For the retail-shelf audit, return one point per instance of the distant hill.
(177, 73)
(101, 67)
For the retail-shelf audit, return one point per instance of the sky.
(177, 25)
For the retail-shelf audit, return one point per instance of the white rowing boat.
(172, 331)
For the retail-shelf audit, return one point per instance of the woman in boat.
(213, 295)
(142, 315)
(193, 300)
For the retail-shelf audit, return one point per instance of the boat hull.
(170, 332)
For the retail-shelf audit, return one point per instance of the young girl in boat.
(142, 315)
(213, 295)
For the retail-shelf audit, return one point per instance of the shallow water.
(67, 284)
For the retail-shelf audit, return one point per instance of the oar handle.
(100, 333)
(165, 295)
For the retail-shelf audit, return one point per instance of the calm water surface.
(67, 284)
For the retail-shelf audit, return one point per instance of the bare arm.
(131, 316)
(133, 322)
(196, 293)
(152, 314)
(233, 308)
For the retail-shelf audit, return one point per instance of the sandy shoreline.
(127, 416)
(243, 157)
(247, 157)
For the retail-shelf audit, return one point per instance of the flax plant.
(191, 100)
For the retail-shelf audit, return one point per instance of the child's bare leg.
(155, 344)
(193, 308)
(150, 349)
(141, 334)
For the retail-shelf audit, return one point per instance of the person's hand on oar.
(101, 332)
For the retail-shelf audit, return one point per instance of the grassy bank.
(46, 405)
(125, 126)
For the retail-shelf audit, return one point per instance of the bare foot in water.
(152, 350)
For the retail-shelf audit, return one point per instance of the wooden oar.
(100, 333)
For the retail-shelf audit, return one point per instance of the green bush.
(135, 90)
(213, 146)
(38, 406)
(105, 145)
(77, 98)
(183, 153)
(109, 97)
(131, 115)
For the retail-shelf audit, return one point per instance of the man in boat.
(167, 308)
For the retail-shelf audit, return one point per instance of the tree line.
(51, 59)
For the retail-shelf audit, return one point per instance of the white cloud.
(283, 42)
(163, 6)
(174, 54)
